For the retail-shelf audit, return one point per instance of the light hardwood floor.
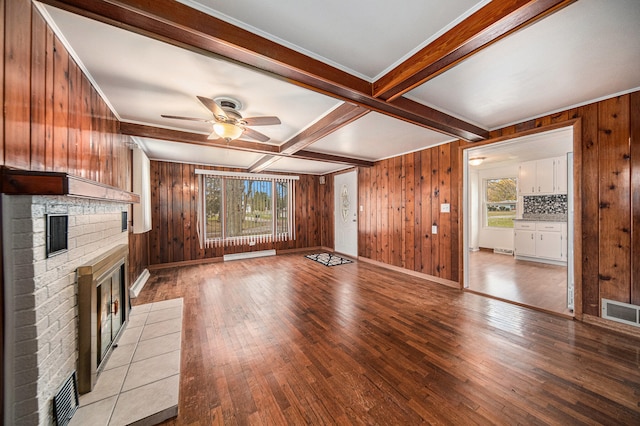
(285, 340)
(533, 284)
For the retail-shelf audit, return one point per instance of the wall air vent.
(507, 251)
(621, 312)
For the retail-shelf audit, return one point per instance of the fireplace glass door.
(110, 310)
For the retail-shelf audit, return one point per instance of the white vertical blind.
(241, 208)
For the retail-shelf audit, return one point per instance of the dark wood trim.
(152, 132)
(576, 124)
(22, 182)
(337, 118)
(634, 107)
(334, 120)
(188, 28)
(140, 130)
(489, 24)
(262, 163)
(311, 155)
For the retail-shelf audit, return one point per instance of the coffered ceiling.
(352, 82)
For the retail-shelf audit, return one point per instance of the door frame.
(335, 208)
(463, 227)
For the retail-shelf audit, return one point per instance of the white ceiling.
(586, 51)
(554, 143)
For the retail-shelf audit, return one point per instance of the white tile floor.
(140, 381)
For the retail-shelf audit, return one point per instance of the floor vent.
(621, 312)
(503, 251)
(65, 402)
(248, 255)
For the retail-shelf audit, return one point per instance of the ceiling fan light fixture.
(476, 161)
(227, 131)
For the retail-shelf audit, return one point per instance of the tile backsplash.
(536, 205)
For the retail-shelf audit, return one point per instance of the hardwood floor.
(534, 284)
(286, 340)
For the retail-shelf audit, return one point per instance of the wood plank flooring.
(286, 340)
(534, 284)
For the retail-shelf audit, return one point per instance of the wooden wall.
(173, 205)
(401, 200)
(610, 199)
(54, 119)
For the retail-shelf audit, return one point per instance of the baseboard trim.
(298, 250)
(248, 255)
(185, 263)
(611, 325)
(137, 286)
(437, 280)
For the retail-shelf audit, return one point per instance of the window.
(500, 202)
(241, 208)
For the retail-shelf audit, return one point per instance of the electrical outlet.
(434, 229)
(445, 208)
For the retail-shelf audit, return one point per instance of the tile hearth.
(141, 378)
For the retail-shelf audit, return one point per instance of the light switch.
(361, 208)
(434, 229)
(445, 208)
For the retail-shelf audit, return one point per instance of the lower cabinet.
(542, 241)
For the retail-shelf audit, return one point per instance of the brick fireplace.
(41, 294)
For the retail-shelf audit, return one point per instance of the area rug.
(328, 259)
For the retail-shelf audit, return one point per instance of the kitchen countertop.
(544, 218)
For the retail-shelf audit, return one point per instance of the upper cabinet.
(543, 177)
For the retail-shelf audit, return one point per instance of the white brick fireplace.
(41, 295)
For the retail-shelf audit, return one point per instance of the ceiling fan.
(227, 121)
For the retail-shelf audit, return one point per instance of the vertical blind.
(241, 208)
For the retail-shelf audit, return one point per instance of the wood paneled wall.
(173, 205)
(610, 198)
(402, 196)
(54, 120)
(401, 200)
(138, 255)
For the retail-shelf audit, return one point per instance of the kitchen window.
(240, 208)
(500, 198)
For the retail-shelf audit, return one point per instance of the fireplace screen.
(109, 310)
(103, 301)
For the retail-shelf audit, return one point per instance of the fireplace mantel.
(24, 182)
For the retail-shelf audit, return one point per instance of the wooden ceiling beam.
(160, 133)
(335, 119)
(180, 25)
(330, 158)
(170, 135)
(486, 26)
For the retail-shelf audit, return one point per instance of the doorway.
(345, 189)
(506, 218)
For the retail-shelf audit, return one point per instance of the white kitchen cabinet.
(541, 241)
(549, 245)
(561, 178)
(527, 178)
(524, 242)
(543, 177)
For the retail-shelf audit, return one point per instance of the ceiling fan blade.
(213, 107)
(185, 118)
(255, 135)
(261, 121)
